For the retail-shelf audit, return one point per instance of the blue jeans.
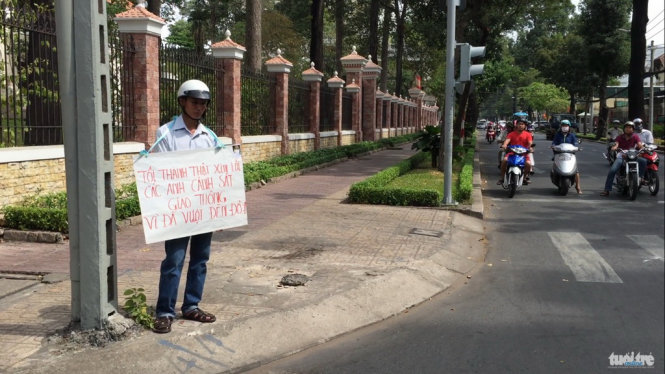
(617, 165)
(171, 270)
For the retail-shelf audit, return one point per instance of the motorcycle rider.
(517, 137)
(614, 131)
(510, 126)
(564, 135)
(490, 131)
(645, 135)
(628, 140)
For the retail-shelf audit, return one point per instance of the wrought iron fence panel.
(256, 105)
(176, 65)
(347, 102)
(326, 109)
(29, 102)
(298, 106)
(121, 52)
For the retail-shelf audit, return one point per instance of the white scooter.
(564, 168)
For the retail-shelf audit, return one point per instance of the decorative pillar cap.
(353, 62)
(416, 93)
(352, 87)
(279, 64)
(335, 82)
(311, 74)
(429, 99)
(371, 70)
(379, 94)
(139, 20)
(227, 48)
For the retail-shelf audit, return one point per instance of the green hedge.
(49, 212)
(373, 191)
(465, 187)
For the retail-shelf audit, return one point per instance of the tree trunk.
(602, 116)
(154, 7)
(385, 39)
(316, 46)
(400, 16)
(253, 35)
(339, 34)
(374, 9)
(637, 56)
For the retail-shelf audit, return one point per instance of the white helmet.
(194, 88)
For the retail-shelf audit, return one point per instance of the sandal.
(500, 182)
(162, 325)
(605, 193)
(199, 316)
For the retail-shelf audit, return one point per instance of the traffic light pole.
(447, 133)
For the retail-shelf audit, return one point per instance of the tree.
(339, 34)
(606, 45)
(401, 10)
(180, 34)
(638, 43)
(253, 35)
(544, 97)
(316, 39)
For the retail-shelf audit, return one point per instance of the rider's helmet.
(638, 124)
(629, 124)
(194, 88)
(616, 123)
(565, 125)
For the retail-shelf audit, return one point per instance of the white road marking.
(585, 263)
(650, 243)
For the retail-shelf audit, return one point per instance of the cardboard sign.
(190, 192)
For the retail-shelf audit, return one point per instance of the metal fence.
(256, 106)
(176, 65)
(122, 81)
(347, 101)
(298, 101)
(29, 92)
(30, 109)
(326, 109)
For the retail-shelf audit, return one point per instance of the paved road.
(570, 285)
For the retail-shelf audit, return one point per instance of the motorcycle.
(610, 155)
(515, 170)
(648, 152)
(628, 176)
(564, 168)
(490, 135)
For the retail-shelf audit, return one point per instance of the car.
(481, 125)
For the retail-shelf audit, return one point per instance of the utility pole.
(85, 84)
(651, 48)
(447, 134)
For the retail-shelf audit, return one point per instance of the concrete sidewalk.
(365, 263)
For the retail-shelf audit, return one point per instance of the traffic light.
(467, 69)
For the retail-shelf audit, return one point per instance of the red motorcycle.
(490, 135)
(648, 152)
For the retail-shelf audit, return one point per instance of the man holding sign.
(185, 132)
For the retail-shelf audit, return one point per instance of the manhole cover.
(434, 233)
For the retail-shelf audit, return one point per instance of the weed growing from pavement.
(136, 307)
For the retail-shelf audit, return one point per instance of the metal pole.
(651, 85)
(447, 135)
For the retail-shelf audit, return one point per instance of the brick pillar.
(353, 64)
(314, 77)
(228, 56)
(379, 113)
(145, 29)
(354, 90)
(393, 102)
(280, 68)
(337, 83)
(370, 73)
(417, 95)
(387, 100)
